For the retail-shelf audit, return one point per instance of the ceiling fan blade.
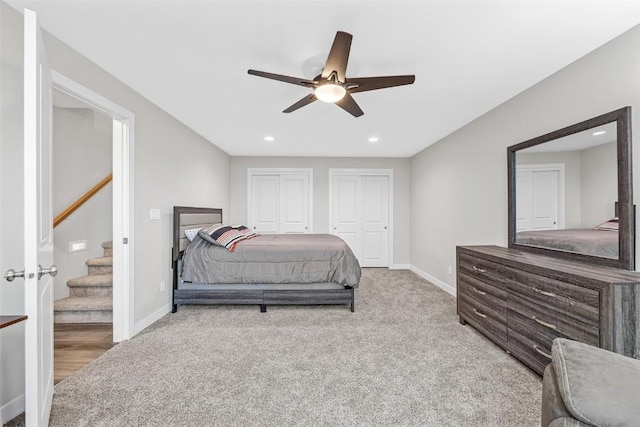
(304, 101)
(349, 105)
(372, 83)
(281, 78)
(338, 57)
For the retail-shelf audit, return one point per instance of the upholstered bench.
(589, 386)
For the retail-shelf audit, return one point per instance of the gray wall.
(321, 166)
(599, 184)
(82, 147)
(459, 185)
(172, 166)
(11, 211)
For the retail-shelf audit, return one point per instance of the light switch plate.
(154, 214)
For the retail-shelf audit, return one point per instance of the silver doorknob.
(335, 228)
(53, 270)
(12, 274)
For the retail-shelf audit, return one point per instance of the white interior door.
(265, 195)
(347, 207)
(545, 200)
(538, 201)
(280, 201)
(360, 215)
(294, 206)
(38, 235)
(523, 200)
(375, 220)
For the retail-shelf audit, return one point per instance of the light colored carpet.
(401, 359)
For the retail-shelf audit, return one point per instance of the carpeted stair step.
(83, 310)
(97, 285)
(102, 265)
(108, 248)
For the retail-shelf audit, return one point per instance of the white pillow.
(191, 233)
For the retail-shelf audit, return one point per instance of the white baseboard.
(439, 283)
(150, 319)
(12, 409)
(400, 267)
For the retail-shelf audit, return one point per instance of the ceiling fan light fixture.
(330, 92)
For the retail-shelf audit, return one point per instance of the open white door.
(38, 223)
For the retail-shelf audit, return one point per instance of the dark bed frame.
(294, 295)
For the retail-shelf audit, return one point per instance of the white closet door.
(347, 208)
(360, 216)
(545, 200)
(375, 220)
(523, 201)
(538, 201)
(265, 203)
(280, 201)
(294, 203)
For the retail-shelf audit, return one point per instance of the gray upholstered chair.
(589, 386)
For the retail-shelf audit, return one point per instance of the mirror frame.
(626, 232)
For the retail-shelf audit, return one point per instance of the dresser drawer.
(483, 293)
(535, 354)
(485, 271)
(490, 321)
(535, 320)
(581, 304)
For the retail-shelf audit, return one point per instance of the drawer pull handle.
(545, 293)
(544, 353)
(478, 291)
(548, 325)
(479, 270)
(479, 314)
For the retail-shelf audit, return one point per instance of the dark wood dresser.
(522, 301)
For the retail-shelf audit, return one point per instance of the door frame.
(369, 172)
(278, 171)
(123, 199)
(557, 167)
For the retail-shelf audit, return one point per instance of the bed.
(305, 269)
(600, 241)
(588, 241)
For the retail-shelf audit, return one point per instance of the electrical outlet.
(78, 245)
(163, 285)
(450, 270)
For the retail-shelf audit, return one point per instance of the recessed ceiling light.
(269, 138)
(600, 132)
(374, 139)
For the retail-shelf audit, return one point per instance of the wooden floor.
(75, 345)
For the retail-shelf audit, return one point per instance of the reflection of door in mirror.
(540, 202)
(569, 184)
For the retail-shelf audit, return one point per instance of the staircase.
(90, 297)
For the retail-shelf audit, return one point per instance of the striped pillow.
(225, 235)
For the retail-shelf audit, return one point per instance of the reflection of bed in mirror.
(587, 241)
(600, 241)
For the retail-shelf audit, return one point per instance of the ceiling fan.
(332, 85)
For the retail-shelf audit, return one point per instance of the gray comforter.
(602, 243)
(273, 258)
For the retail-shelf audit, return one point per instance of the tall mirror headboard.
(570, 192)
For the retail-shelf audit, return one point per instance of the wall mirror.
(570, 192)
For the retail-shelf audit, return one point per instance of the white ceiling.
(191, 59)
